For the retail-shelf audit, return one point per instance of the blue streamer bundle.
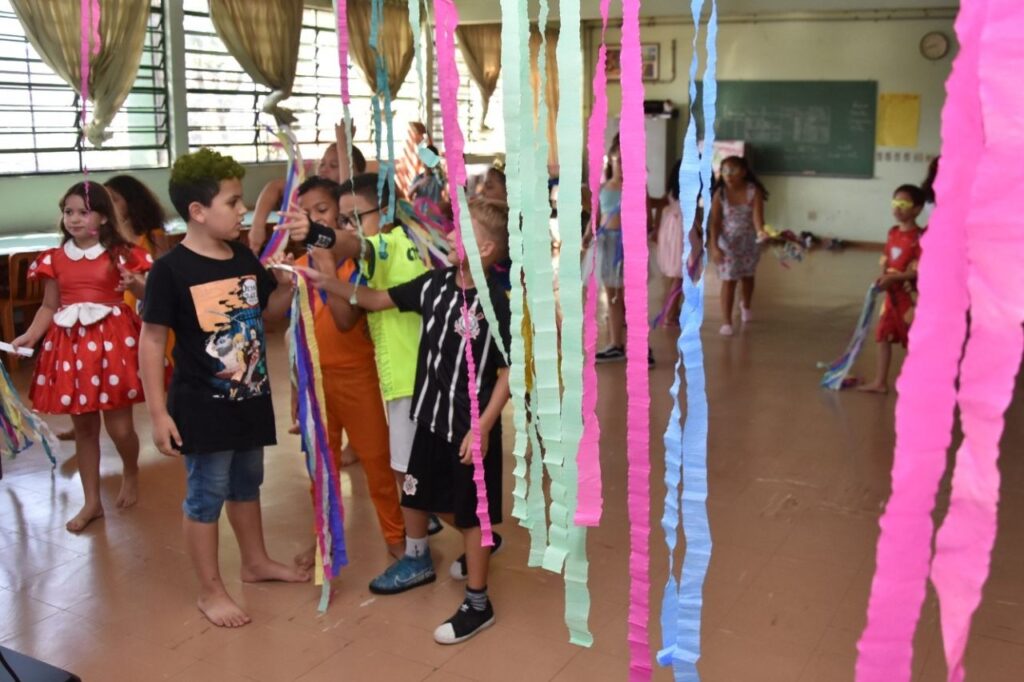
(686, 448)
(836, 373)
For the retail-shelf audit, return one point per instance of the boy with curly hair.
(218, 415)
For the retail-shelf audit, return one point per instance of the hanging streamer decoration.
(686, 448)
(973, 250)
(836, 373)
(635, 265)
(296, 174)
(383, 116)
(91, 42)
(446, 21)
(327, 505)
(20, 426)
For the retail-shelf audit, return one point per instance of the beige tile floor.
(797, 479)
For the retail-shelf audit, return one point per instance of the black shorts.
(438, 482)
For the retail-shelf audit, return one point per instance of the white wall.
(886, 51)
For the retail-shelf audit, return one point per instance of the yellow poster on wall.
(899, 116)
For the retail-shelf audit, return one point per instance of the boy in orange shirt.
(351, 385)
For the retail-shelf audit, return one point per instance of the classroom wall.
(886, 51)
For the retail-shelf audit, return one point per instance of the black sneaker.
(434, 525)
(458, 568)
(610, 354)
(466, 623)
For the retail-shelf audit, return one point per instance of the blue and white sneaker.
(405, 574)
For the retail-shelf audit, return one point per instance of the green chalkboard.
(801, 127)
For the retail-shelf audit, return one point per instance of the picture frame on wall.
(650, 60)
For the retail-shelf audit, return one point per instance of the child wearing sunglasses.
(898, 280)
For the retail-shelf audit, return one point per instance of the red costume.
(902, 253)
(89, 359)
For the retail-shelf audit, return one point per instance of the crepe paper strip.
(381, 102)
(836, 373)
(296, 174)
(23, 352)
(20, 426)
(537, 520)
(981, 250)
(927, 383)
(427, 156)
(671, 298)
(91, 42)
(328, 512)
(512, 12)
(590, 503)
(416, 25)
(446, 21)
(634, 236)
(341, 16)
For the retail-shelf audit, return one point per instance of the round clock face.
(935, 45)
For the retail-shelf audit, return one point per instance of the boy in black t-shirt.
(214, 293)
(440, 474)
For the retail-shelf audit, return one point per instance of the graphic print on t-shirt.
(229, 311)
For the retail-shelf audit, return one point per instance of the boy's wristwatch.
(320, 236)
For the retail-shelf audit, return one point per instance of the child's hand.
(323, 260)
(339, 130)
(885, 281)
(128, 279)
(24, 341)
(717, 255)
(466, 449)
(316, 278)
(296, 222)
(166, 436)
(283, 277)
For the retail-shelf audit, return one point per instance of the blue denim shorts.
(216, 477)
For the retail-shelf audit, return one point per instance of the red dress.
(902, 253)
(90, 357)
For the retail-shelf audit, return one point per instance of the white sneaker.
(746, 314)
(726, 330)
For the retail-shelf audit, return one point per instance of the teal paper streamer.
(415, 24)
(511, 11)
(386, 171)
(537, 524)
(686, 450)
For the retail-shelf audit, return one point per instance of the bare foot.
(221, 610)
(306, 560)
(294, 429)
(67, 434)
(129, 494)
(874, 387)
(84, 518)
(272, 571)
(348, 456)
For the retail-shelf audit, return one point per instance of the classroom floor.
(797, 478)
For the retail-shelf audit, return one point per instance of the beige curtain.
(54, 29)
(481, 50)
(263, 35)
(551, 83)
(395, 42)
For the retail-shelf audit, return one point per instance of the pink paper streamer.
(590, 500)
(634, 235)
(90, 48)
(446, 21)
(973, 250)
(341, 11)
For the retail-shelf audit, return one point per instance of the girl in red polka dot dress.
(88, 363)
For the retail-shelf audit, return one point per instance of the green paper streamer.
(417, 45)
(537, 523)
(511, 11)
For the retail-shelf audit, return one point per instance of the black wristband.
(320, 236)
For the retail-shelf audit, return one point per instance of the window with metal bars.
(225, 106)
(41, 130)
(483, 138)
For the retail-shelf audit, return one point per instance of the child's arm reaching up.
(43, 319)
(488, 419)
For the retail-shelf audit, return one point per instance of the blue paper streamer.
(386, 171)
(686, 448)
(836, 373)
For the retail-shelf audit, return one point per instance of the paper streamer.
(512, 12)
(327, 504)
(91, 43)
(973, 249)
(381, 102)
(446, 21)
(294, 177)
(836, 372)
(686, 450)
(341, 15)
(588, 509)
(634, 236)
(20, 427)
(417, 45)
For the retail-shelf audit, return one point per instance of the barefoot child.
(351, 386)
(218, 413)
(88, 365)
(440, 474)
(898, 280)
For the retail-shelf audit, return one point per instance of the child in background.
(89, 365)
(350, 382)
(495, 186)
(440, 475)
(736, 225)
(928, 187)
(898, 280)
(218, 413)
(610, 255)
(668, 235)
(429, 184)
